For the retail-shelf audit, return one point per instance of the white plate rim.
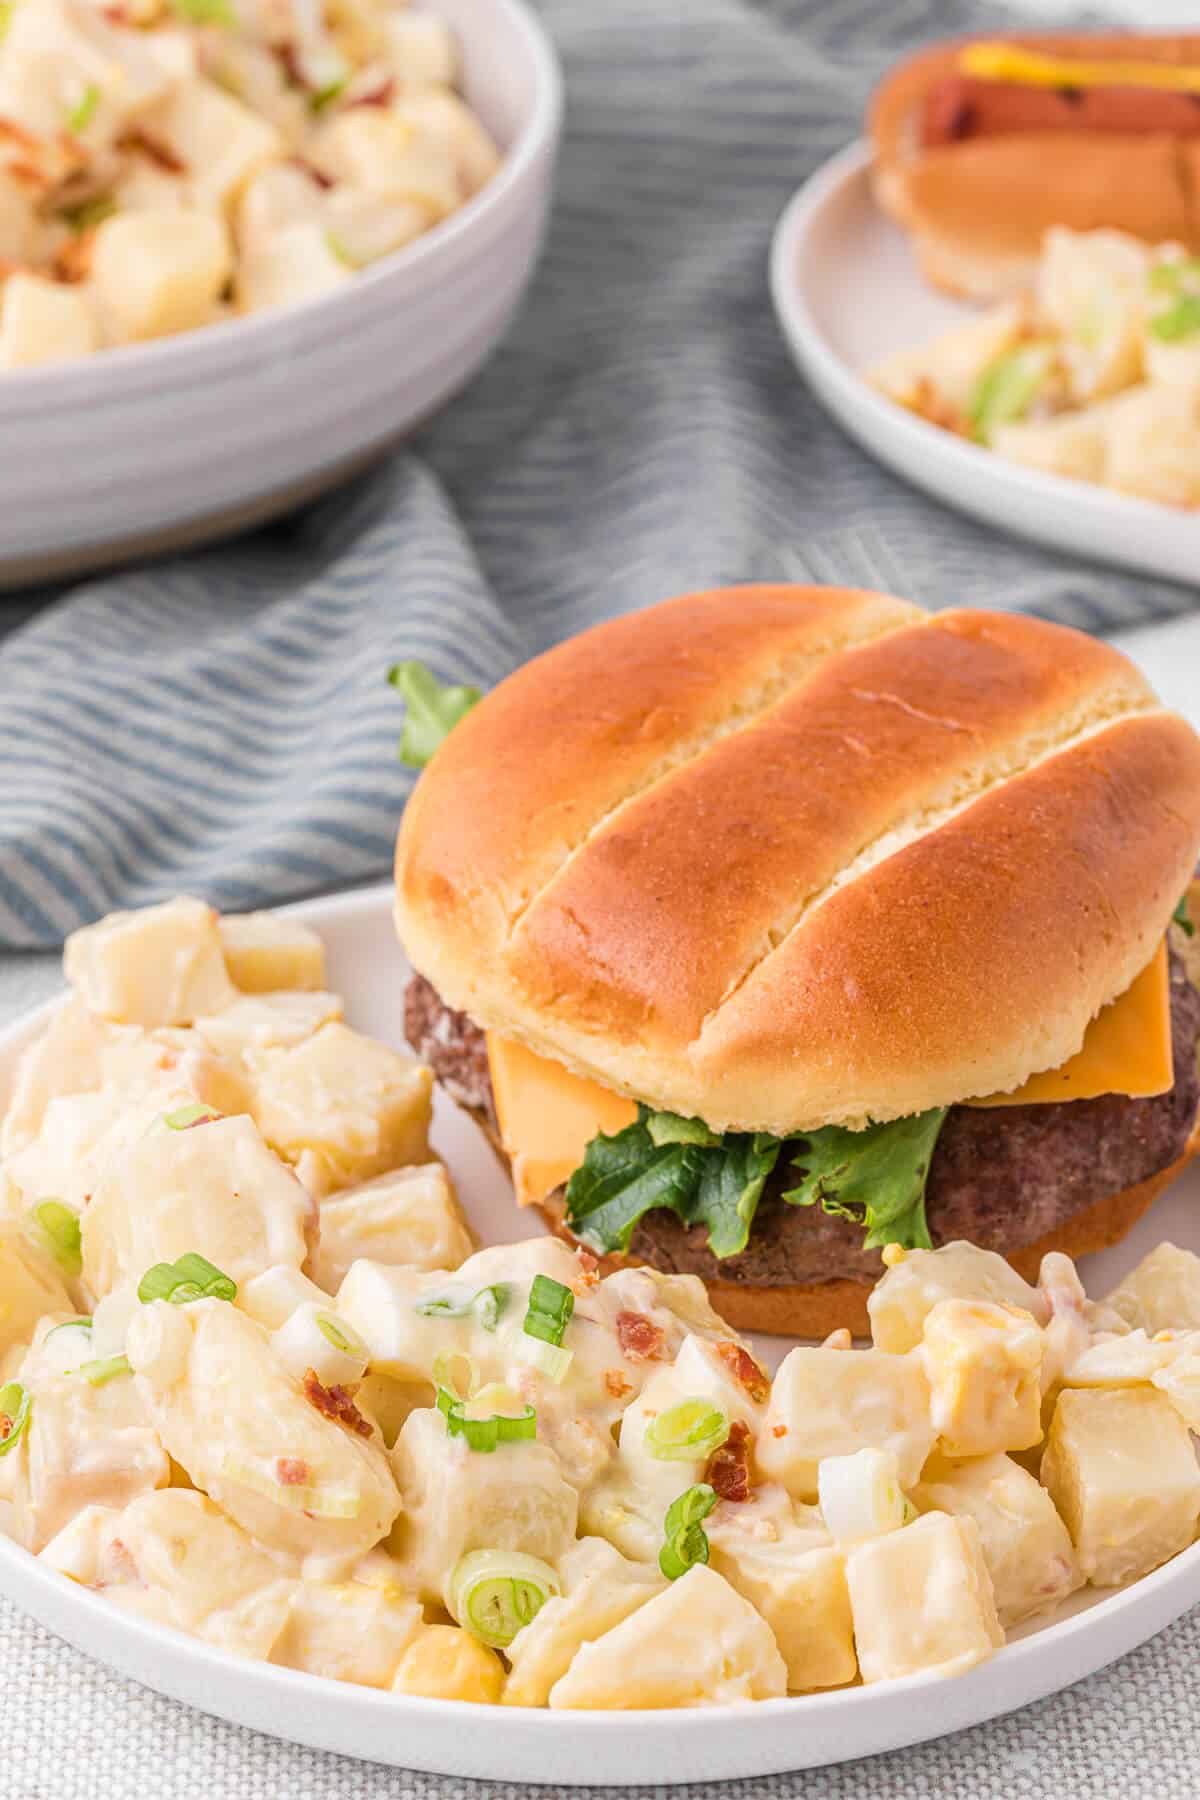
(537, 1745)
(857, 405)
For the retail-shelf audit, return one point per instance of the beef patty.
(1002, 1177)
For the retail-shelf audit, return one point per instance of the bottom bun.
(816, 1309)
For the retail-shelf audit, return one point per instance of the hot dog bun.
(978, 208)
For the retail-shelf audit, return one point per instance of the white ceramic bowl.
(157, 445)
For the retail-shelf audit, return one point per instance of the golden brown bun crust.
(813, 1311)
(978, 209)
(912, 875)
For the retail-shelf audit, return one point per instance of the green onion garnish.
(1179, 321)
(550, 1308)
(56, 1228)
(6, 8)
(191, 1277)
(687, 1432)
(70, 1325)
(1183, 918)
(89, 213)
(97, 1373)
(494, 1593)
(204, 12)
(485, 1434)
(184, 1117)
(83, 112)
(488, 1304)
(340, 1336)
(551, 1360)
(685, 1542)
(1168, 277)
(1007, 388)
(339, 251)
(16, 1405)
(326, 95)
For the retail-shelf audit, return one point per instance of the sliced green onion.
(70, 1325)
(6, 10)
(485, 1435)
(340, 251)
(1179, 321)
(550, 1308)
(204, 12)
(341, 1336)
(80, 116)
(1168, 277)
(552, 1360)
(97, 1373)
(191, 1277)
(302, 1497)
(487, 1303)
(495, 1593)
(455, 1370)
(1183, 918)
(184, 1117)
(89, 213)
(687, 1432)
(1007, 388)
(685, 1542)
(16, 1405)
(55, 1227)
(325, 96)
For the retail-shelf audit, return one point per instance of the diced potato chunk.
(420, 50)
(912, 1286)
(160, 966)
(1162, 1293)
(1120, 1467)
(410, 1217)
(264, 951)
(1124, 1360)
(269, 1021)
(922, 1600)
(271, 1298)
(833, 1402)
(984, 1365)
(699, 1643)
(348, 1631)
(443, 1662)
(249, 1435)
(66, 1058)
(213, 1187)
(952, 363)
(457, 1499)
(219, 141)
(158, 273)
(440, 118)
(600, 1589)
(30, 1287)
(296, 263)
(379, 149)
(1025, 1544)
(1073, 444)
(43, 322)
(1153, 444)
(350, 1107)
(797, 1582)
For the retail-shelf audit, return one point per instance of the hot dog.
(983, 144)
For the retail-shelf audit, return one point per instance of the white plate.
(153, 446)
(847, 293)
(581, 1749)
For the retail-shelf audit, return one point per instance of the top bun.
(780, 857)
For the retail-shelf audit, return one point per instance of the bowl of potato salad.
(246, 243)
(291, 1429)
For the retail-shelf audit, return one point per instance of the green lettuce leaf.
(431, 711)
(874, 1177)
(623, 1177)
(1183, 918)
(732, 1178)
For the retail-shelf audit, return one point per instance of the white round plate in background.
(588, 1749)
(848, 293)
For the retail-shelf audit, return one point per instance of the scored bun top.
(780, 857)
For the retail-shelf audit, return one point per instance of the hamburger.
(982, 144)
(770, 926)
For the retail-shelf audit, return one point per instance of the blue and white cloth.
(221, 723)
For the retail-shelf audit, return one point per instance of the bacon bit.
(26, 173)
(927, 403)
(119, 1564)
(10, 129)
(779, 1431)
(335, 1403)
(291, 1471)
(383, 95)
(288, 58)
(116, 15)
(6, 1426)
(641, 1340)
(159, 153)
(616, 1384)
(728, 1471)
(745, 1370)
(73, 263)
(311, 170)
(588, 1275)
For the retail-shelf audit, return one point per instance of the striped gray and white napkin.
(221, 723)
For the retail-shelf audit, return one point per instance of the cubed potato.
(457, 1499)
(443, 121)
(55, 52)
(266, 951)
(30, 1287)
(159, 966)
(420, 50)
(1162, 1293)
(698, 1643)
(1089, 289)
(366, 226)
(1072, 444)
(158, 273)
(443, 1662)
(381, 150)
(295, 263)
(213, 1187)
(917, 1280)
(1124, 1360)
(833, 1402)
(1179, 1380)
(410, 1217)
(272, 1297)
(1120, 1467)
(984, 1364)
(269, 1021)
(600, 1589)
(1153, 445)
(797, 1582)
(20, 227)
(284, 1469)
(279, 195)
(952, 363)
(1025, 1544)
(922, 1600)
(220, 142)
(348, 1631)
(349, 1107)
(43, 322)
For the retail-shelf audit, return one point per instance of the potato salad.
(258, 1383)
(168, 163)
(1093, 375)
